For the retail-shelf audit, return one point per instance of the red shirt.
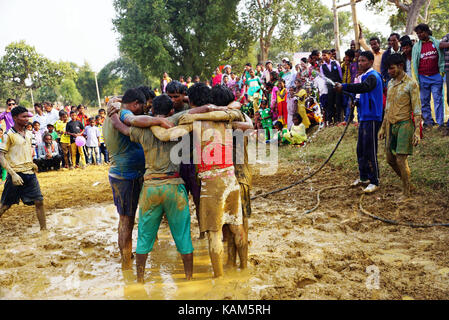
(428, 63)
(83, 119)
(208, 157)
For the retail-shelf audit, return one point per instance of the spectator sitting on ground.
(48, 155)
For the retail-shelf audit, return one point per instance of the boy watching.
(75, 129)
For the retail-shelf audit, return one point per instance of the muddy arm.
(120, 126)
(248, 124)
(229, 115)
(172, 133)
(16, 179)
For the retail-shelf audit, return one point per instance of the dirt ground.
(332, 253)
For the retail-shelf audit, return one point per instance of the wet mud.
(332, 253)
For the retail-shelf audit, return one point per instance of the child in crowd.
(265, 118)
(301, 96)
(64, 139)
(75, 129)
(297, 133)
(92, 134)
(37, 137)
(101, 116)
(3, 170)
(52, 132)
(281, 101)
(291, 106)
(254, 85)
(279, 136)
(102, 147)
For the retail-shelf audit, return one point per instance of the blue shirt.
(127, 158)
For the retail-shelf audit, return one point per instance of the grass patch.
(429, 164)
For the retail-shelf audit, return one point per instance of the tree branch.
(400, 5)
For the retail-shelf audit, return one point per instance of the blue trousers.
(367, 151)
(447, 91)
(432, 85)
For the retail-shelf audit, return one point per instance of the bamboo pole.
(98, 92)
(355, 23)
(336, 29)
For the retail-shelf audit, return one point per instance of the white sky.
(82, 30)
(67, 30)
(376, 22)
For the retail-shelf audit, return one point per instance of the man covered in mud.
(220, 201)
(178, 94)
(403, 104)
(163, 191)
(16, 157)
(127, 167)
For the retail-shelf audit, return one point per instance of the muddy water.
(78, 259)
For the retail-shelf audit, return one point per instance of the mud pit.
(322, 255)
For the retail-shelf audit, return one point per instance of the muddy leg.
(3, 209)
(40, 213)
(197, 211)
(392, 161)
(241, 242)
(405, 173)
(125, 232)
(232, 249)
(187, 259)
(141, 260)
(216, 252)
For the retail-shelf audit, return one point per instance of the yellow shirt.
(18, 151)
(60, 126)
(403, 98)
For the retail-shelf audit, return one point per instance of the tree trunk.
(413, 13)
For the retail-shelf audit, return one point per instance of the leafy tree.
(435, 13)
(409, 11)
(120, 75)
(68, 93)
(276, 21)
(320, 35)
(86, 85)
(177, 36)
(22, 68)
(438, 18)
(46, 93)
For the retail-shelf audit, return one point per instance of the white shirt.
(289, 78)
(52, 117)
(41, 119)
(321, 85)
(92, 134)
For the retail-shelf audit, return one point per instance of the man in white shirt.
(393, 47)
(51, 114)
(289, 75)
(39, 115)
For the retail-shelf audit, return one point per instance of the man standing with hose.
(370, 120)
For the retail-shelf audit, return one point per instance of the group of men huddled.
(142, 134)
